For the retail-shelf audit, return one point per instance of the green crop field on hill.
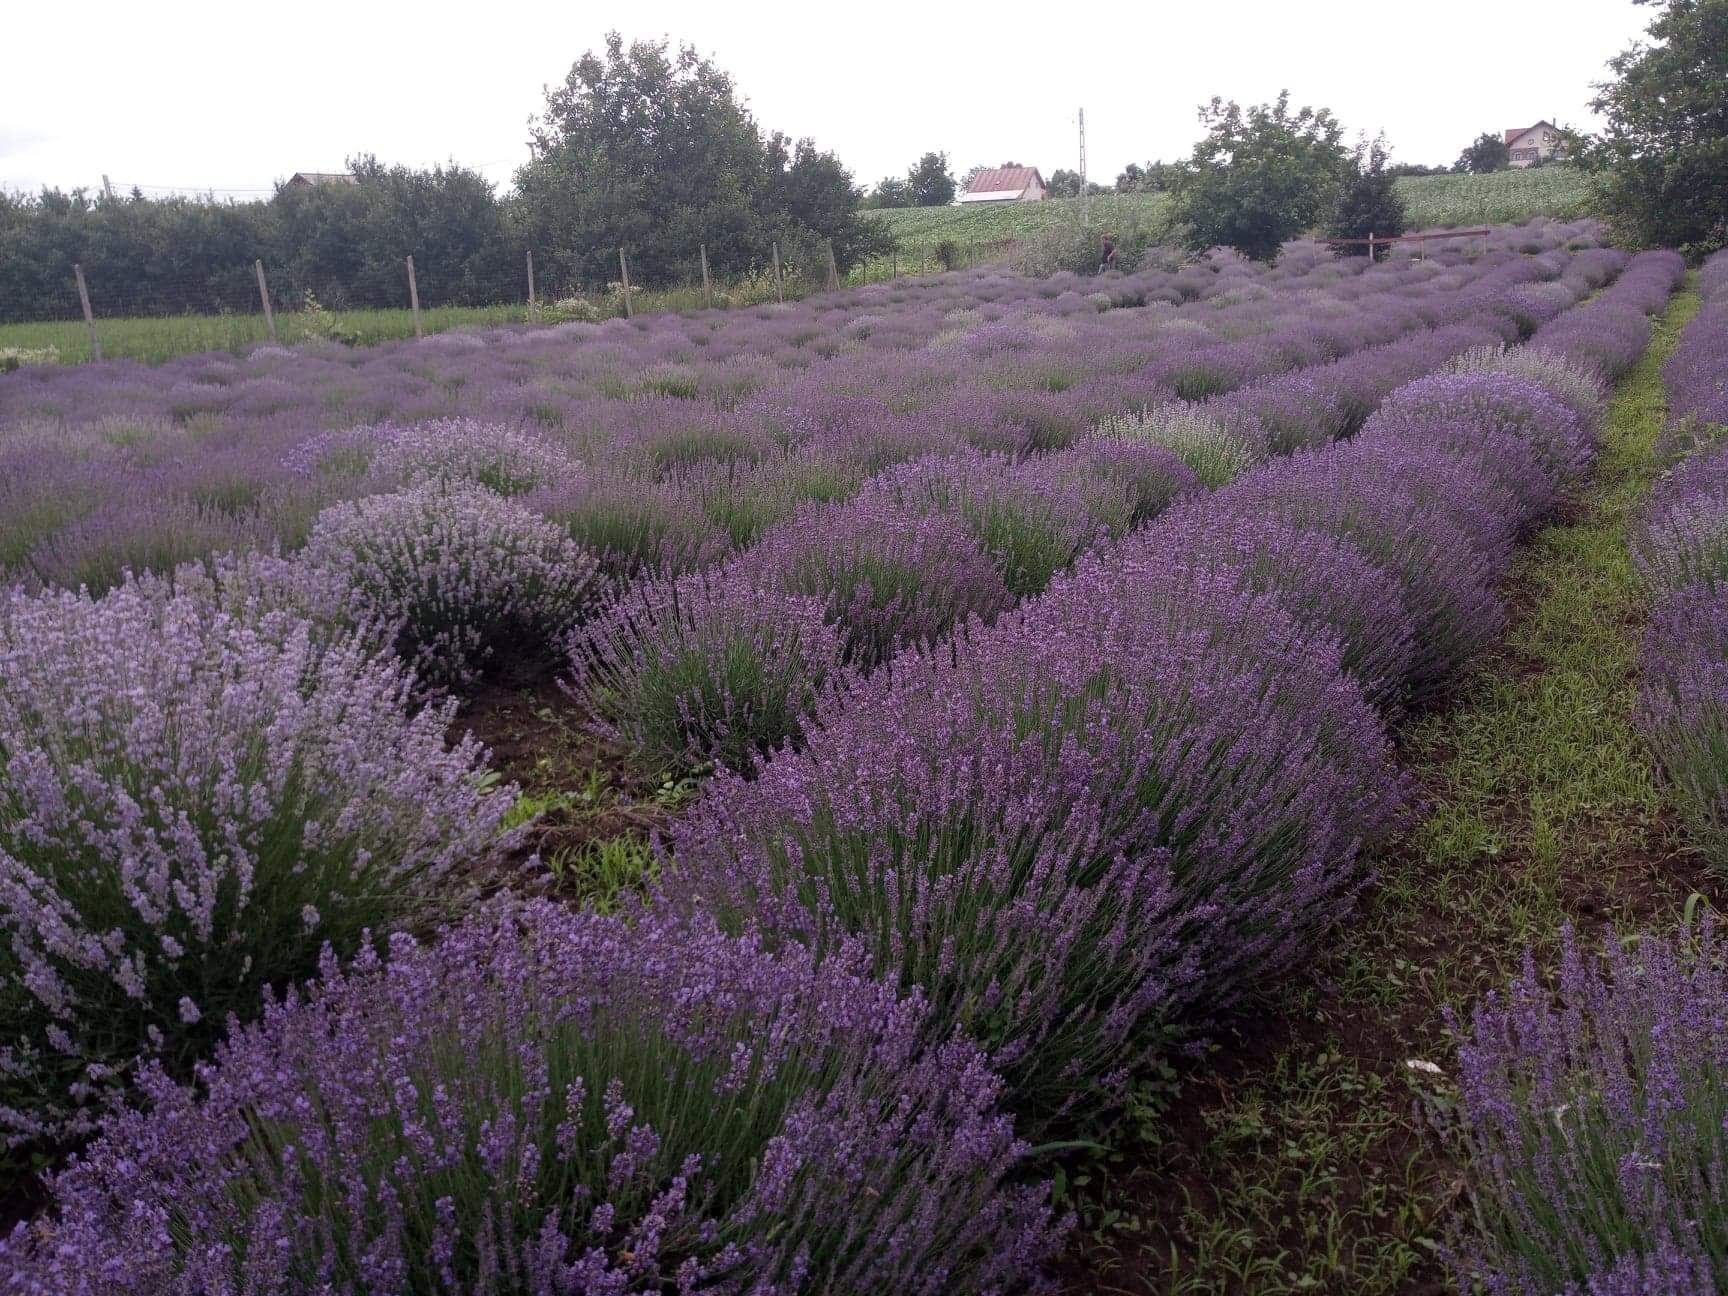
(1503, 197)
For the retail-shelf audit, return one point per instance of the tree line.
(643, 146)
(650, 148)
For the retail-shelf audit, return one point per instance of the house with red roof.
(1529, 145)
(1005, 184)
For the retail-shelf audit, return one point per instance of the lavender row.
(1066, 837)
(1094, 834)
(109, 468)
(687, 667)
(1595, 1108)
(1593, 1103)
(1680, 550)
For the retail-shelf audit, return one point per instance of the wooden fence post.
(414, 299)
(533, 312)
(624, 276)
(833, 269)
(264, 296)
(707, 283)
(1370, 247)
(779, 283)
(89, 316)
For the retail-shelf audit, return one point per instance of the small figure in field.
(1107, 258)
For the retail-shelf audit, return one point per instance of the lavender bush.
(1447, 580)
(1075, 829)
(1153, 476)
(192, 803)
(1214, 453)
(708, 668)
(1686, 543)
(889, 579)
(560, 1104)
(1033, 518)
(1326, 585)
(634, 529)
(461, 573)
(1498, 405)
(1596, 1113)
(451, 452)
(1683, 708)
(1575, 386)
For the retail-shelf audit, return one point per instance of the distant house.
(1529, 145)
(1005, 184)
(321, 178)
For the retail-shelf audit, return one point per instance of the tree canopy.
(650, 149)
(1487, 152)
(1661, 161)
(1260, 175)
(1066, 184)
(1368, 201)
(929, 182)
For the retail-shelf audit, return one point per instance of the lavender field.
(1009, 680)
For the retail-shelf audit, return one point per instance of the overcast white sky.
(233, 96)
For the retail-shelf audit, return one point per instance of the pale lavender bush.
(1214, 452)
(192, 802)
(453, 452)
(466, 575)
(559, 1105)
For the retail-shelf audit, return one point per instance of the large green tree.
(1487, 152)
(1066, 184)
(1661, 162)
(1154, 177)
(1261, 175)
(890, 191)
(930, 183)
(1368, 201)
(650, 149)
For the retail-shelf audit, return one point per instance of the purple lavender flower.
(559, 1103)
(1447, 578)
(180, 785)
(1328, 586)
(1496, 403)
(1683, 707)
(889, 578)
(1594, 1112)
(1077, 830)
(708, 667)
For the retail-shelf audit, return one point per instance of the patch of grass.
(600, 873)
(1303, 1157)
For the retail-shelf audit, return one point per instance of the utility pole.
(107, 186)
(1083, 204)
